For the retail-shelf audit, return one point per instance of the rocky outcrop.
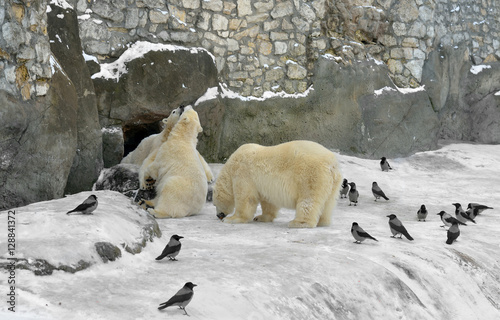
(37, 143)
(66, 47)
(356, 110)
(52, 240)
(464, 95)
(148, 83)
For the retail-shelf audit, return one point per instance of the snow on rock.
(477, 69)
(401, 90)
(268, 271)
(116, 69)
(48, 239)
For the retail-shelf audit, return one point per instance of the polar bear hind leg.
(269, 212)
(170, 202)
(326, 215)
(307, 214)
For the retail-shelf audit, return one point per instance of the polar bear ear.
(165, 120)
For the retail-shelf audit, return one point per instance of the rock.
(38, 144)
(122, 178)
(112, 145)
(107, 251)
(47, 233)
(155, 84)
(67, 48)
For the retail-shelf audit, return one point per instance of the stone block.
(280, 47)
(282, 9)
(395, 66)
(132, 18)
(264, 6)
(265, 47)
(279, 36)
(219, 22)
(295, 71)
(399, 28)
(244, 7)
(275, 74)
(191, 4)
(213, 5)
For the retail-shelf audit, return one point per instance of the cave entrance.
(134, 133)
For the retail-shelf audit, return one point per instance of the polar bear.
(300, 175)
(181, 187)
(151, 144)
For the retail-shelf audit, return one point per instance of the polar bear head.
(222, 196)
(170, 122)
(188, 126)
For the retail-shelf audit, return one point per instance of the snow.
(401, 90)
(268, 271)
(116, 69)
(479, 68)
(61, 3)
(89, 57)
(228, 93)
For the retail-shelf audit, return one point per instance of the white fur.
(300, 175)
(181, 179)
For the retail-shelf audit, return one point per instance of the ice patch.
(479, 68)
(227, 93)
(331, 57)
(116, 69)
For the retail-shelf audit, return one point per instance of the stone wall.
(273, 45)
(24, 48)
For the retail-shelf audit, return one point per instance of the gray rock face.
(66, 46)
(121, 178)
(38, 143)
(342, 112)
(154, 85)
(466, 101)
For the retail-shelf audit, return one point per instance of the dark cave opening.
(134, 133)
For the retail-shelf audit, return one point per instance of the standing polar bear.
(181, 181)
(300, 175)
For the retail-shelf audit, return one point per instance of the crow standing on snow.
(448, 219)
(359, 234)
(461, 215)
(172, 248)
(353, 194)
(384, 164)
(181, 298)
(86, 207)
(344, 190)
(474, 209)
(377, 192)
(397, 227)
(453, 233)
(422, 213)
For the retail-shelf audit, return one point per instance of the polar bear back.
(281, 174)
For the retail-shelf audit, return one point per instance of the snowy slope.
(268, 271)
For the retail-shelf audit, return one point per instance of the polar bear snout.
(221, 215)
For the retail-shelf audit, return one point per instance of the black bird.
(86, 207)
(397, 227)
(384, 164)
(461, 215)
(344, 190)
(172, 248)
(353, 194)
(181, 298)
(377, 192)
(422, 213)
(359, 234)
(448, 219)
(476, 208)
(453, 233)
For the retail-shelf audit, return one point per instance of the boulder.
(38, 143)
(66, 46)
(52, 240)
(157, 80)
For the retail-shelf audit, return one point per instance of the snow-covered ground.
(268, 271)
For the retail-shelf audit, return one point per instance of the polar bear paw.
(150, 183)
(300, 224)
(235, 219)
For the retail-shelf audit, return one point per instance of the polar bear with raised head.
(181, 181)
(300, 175)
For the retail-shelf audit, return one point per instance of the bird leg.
(173, 259)
(185, 312)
